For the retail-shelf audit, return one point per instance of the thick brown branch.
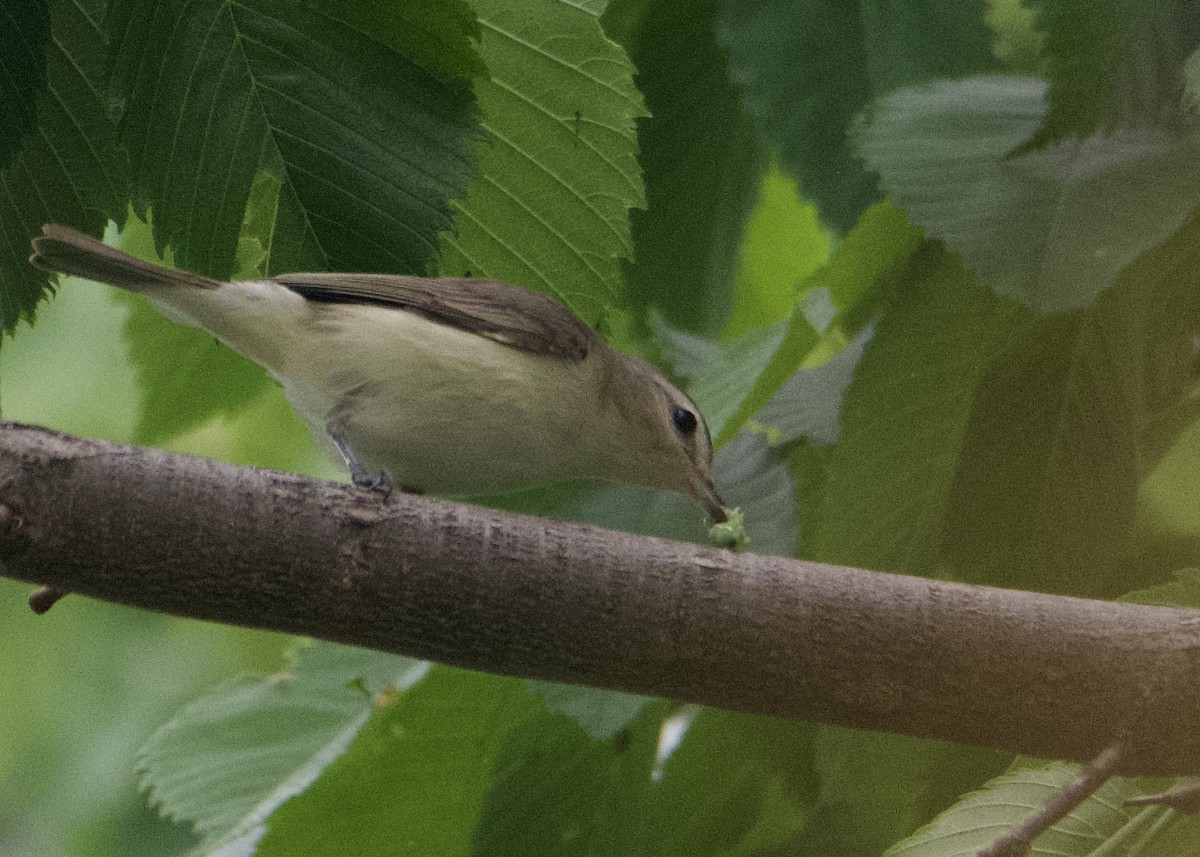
(1049, 676)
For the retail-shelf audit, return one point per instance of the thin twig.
(1019, 841)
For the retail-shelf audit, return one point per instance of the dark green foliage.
(25, 28)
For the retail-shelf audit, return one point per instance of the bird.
(453, 386)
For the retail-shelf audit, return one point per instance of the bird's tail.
(65, 251)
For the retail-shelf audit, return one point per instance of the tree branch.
(1049, 676)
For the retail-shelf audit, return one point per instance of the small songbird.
(447, 386)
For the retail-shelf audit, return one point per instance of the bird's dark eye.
(685, 420)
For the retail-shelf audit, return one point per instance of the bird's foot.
(378, 481)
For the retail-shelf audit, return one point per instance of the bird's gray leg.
(379, 481)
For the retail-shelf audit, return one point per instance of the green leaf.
(1017, 45)
(809, 404)
(915, 42)
(549, 209)
(1191, 70)
(866, 264)
(1052, 229)
(1101, 824)
(558, 791)
(1168, 519)
(1183, 591)
(1066, 426)
(368, 146)
(69, 168)
(806, 69)
(802, 69)
(1112, 64)
(726, 788)
(438, 35)
(700, 184)
(718, 373)
(68, 741)
(869, 788)
(415, 778)
(753, 476)
(600, 713)
(906, 414)
(784, 243)
(234, 755)
(861, 270)
(26, 25)
(732, 382)
(185, 374)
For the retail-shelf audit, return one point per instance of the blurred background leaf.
(686, 238)
(1052, 228)
(807, 69)
(1113, 64)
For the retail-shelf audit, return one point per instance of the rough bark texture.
(1049, 676)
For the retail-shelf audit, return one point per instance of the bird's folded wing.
(514, 316)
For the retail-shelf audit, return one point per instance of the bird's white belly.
(440, 409)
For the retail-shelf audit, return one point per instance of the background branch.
(1045, 675)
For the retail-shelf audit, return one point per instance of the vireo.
(448, 386)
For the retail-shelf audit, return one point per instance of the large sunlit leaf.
(1051, 228)
(235, 754)
(368, 146)
(558, 173)
(69, 168)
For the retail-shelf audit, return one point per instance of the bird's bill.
(706, 494)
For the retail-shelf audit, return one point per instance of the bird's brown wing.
(514, 316)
